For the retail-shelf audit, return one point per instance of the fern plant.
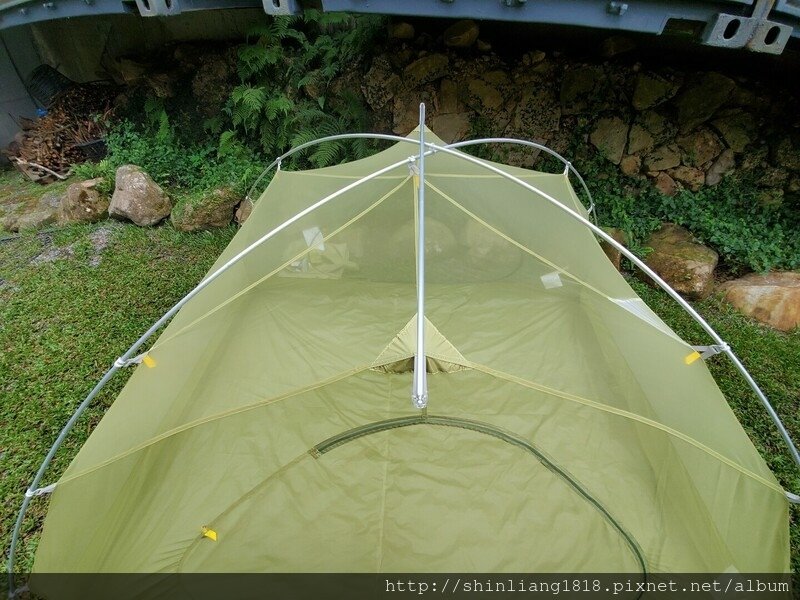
(283, 98)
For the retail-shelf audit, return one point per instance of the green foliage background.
(297, 80)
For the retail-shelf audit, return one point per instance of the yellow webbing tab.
(149, 361)
(691, 357)
(209, 533)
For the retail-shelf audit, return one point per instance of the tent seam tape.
(447, 359)
(281, 267)
(545, 261)
(241, 499)
(516, 243)
(629, 415)
(216, 417)
(389, 345)
(449, 175)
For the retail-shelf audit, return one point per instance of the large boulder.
(690, 177)
(649, 129)
(138, 198)
(380, 84)
(724, 163)
(663, 157)
(538, 114)
(682, 262)
(772, 298)
(700, 147)
(452, 127)
(82, 203)
(214, 209)
(580, 89)
(737, 128)
(787, 153)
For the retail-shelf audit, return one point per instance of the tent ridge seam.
(550, 264)
(211, 418)
(632, 416)
(255, 284)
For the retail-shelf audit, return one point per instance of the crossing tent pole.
(772, 413)
(419, 393)
(329, 138)
(396, 138)
(567, 165)
(449, 148)
(33, 490)
(127, 358)
(658, 280)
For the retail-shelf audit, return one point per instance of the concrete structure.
(76, 35)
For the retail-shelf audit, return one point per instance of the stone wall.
(679, 129)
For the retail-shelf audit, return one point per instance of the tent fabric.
(564, 430)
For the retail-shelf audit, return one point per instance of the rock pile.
(136, 198)
(679, 130)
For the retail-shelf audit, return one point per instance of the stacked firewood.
(46, 148)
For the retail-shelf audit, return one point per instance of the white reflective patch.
(314, 238)
(636, 306)
(551, 280)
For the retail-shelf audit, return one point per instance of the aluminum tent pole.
(127, 358)
(419, 393)
(658, 280)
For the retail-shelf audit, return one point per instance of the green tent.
(561, 427)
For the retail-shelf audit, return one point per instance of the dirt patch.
(99, 240)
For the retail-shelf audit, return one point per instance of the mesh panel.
(277, 355)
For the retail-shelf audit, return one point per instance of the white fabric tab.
(120, 363)
(40, 491)
(551, 280)
(637, 306)
(314, 238)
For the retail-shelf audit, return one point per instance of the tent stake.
(419, 393)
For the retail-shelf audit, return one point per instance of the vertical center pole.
(419, 395)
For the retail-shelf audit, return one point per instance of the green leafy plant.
(284, 97)
(728, 217)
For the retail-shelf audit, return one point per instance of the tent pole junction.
(660, 282)
(126, 359)
(419, 394)
(419, 389)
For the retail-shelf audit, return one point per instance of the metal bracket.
(756, 33)
(159, 8)
(617, 8)
(709, 351)
(281, 7)
(120, 363)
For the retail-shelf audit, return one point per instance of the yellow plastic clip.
(691, 357)
(209, 533)
(149, 361)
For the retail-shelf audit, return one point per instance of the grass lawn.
(73, 300)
